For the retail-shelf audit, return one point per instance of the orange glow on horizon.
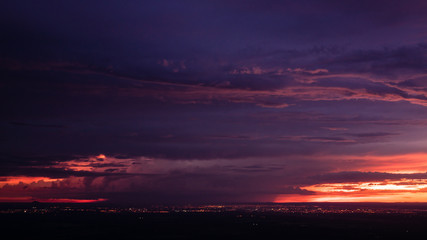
(50, 200)
(15, 180)
(398, 163)
(396, 190)
(71, 200)
(387, 185)
(404, 190)
(378, 197)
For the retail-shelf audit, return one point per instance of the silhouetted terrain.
(76, 224)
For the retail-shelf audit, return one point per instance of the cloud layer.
(181, 102)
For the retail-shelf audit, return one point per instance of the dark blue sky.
(211, 101)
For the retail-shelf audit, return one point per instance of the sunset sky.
(173, 102)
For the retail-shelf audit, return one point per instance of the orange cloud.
(15, 180)
(398, 163)
(388, 190)
(99, 163)
(403, 185)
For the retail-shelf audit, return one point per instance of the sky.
(176, 102)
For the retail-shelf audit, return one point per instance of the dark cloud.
(37, 125)
(55, 172)
(387, 61)
(207, 101)
(373, 134)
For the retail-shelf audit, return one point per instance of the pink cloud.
(302, 70)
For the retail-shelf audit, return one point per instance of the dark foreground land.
(301, 224)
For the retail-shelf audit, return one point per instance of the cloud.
(336, 128)
(357, 176)
(175, 66)
(385, 62)
(296, 190)
(245, 70)
(373, 134)
(301, 70)
(37, 125)
(352, 75)
(217, 101)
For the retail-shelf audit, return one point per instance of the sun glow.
(403, 190)
(387, 185)
(71, 200)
